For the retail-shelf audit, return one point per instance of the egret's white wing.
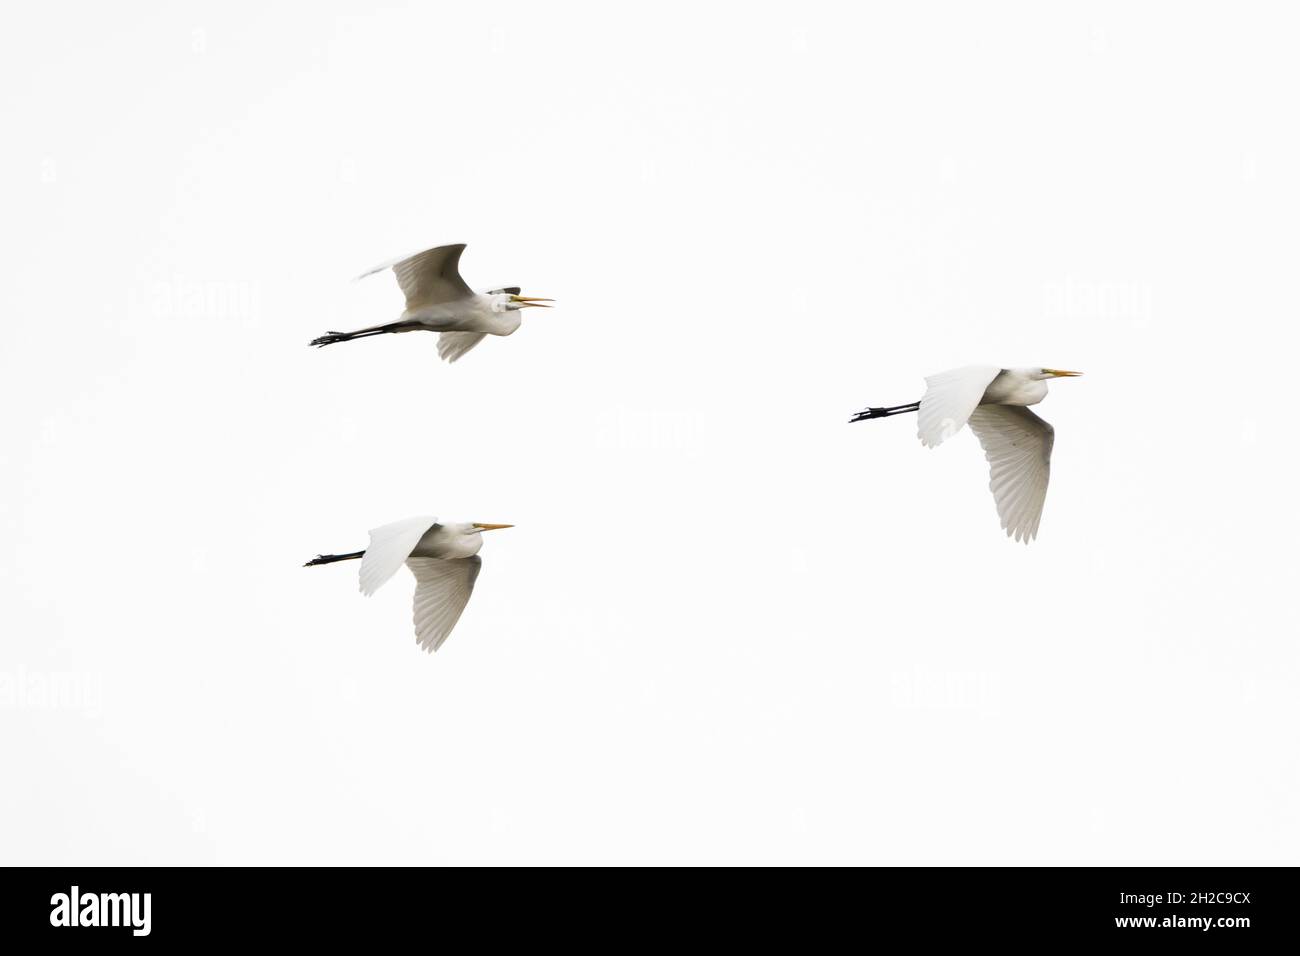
(442, 589)
(431, 277)
(949, 399)
(452, 345)
(389, 547)
(1018, 445)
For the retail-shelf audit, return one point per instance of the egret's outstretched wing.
(452, 345)
(431, 277)
(442, 589)
(389, 547)
(949, 399)
(1018, 445)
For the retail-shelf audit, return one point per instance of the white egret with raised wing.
(1017, 443)
(439, 300)
(444, 559)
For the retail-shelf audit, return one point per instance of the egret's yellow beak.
(491, 527)
(530, 300)
(1059, 374)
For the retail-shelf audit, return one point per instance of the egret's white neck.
(1014, 388)
(500, 319)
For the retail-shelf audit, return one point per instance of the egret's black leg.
(329, 338)
(867, 413)
(331, 558)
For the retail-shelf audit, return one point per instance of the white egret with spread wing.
(444, 559)
(1017, 443)
(439, 300)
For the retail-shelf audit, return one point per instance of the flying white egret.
(443, 558)
(438, 300)
(1017, 443)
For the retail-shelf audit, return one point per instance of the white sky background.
(728, 627)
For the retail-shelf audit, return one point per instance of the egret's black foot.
(331, 558)
(329, 338)
(869, 413)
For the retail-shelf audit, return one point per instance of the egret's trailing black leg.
(329, 338)
(331, 558)
(867, 413)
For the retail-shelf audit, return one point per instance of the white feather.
(389, 547)
(442, 590)
(1018, 445)
(949, 399)
(431, 277)
(452, 345)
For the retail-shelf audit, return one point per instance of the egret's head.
(1046, 373)
(509, 302)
